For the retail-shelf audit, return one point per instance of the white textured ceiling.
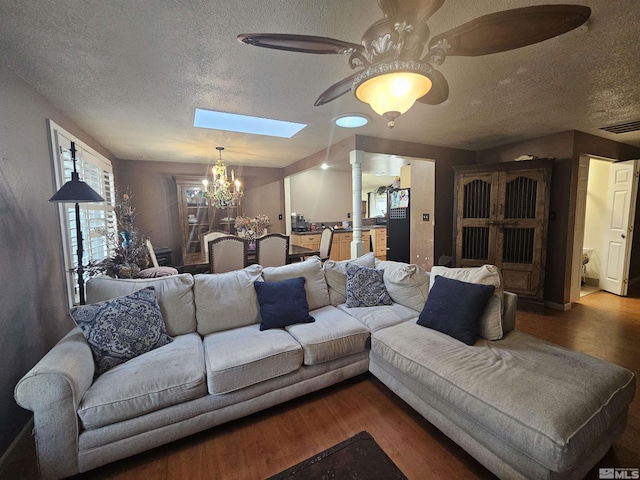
(131, 74)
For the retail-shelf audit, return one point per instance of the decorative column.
(356, 158)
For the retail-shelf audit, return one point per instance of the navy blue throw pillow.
(454, 307)
(282, 303)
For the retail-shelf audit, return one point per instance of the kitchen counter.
(340, 230)
(374, 238)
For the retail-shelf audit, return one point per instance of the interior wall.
(322, 195)
(566, 148)
(444, 159)
(422, 200)
(596, 215)
(32, 294)
(264, 194)
(155, 197)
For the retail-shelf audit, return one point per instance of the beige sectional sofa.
(522, 407)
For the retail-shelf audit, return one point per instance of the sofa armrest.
(509, 307)
(52, 389)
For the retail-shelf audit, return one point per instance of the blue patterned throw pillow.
(365, 287)
(122, 328)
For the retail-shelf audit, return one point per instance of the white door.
(623, 188)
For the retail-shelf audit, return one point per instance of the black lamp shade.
(76, 191)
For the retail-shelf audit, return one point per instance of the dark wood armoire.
(501, 215)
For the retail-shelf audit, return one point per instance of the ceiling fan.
(395, 66)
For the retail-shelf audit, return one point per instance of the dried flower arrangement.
(127, 257)
(252, 228)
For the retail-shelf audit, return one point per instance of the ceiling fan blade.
(439, 91)
(299, 43)
(510, 29)
(416, 12)
(335, 91)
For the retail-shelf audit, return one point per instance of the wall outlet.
(348, 214)
(425, 217)
(280, 216)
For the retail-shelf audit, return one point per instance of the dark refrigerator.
(398, 225)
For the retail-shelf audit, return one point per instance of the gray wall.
(32, 293)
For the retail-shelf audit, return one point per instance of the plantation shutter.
(96, 171)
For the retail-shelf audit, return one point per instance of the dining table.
(198, 262)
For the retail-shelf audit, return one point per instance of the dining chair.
(272, 250)
(211, 235)
(152, 254)
(228, 253)
(326, 239)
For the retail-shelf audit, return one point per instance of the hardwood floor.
(263, 444)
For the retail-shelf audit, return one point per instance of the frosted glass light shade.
(393, 92)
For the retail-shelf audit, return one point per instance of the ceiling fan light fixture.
(392, 88)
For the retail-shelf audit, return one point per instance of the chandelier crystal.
(220, 190)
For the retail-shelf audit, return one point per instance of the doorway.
(605, 207)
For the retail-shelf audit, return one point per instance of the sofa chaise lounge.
(522, 407)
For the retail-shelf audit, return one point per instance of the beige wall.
(596, 214)
(423, 181)
(321, 195)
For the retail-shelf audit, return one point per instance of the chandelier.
(221, 191)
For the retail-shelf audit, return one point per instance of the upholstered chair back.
(325, 243)
(272, 250)
(228, 253)
(211, 235)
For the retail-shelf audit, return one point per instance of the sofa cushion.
(122, 328)
(226, 300)
(491, 319)
(407, 284)
(166, 376)
(542, 399)
(174, 293)
(336, 276)
(334, 334)
(311, 270)
(382, 316)
(454, 307)
(245, 356)
(365, 287)
(282, 303)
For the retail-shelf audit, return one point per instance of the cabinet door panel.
(520, 232)
(501, 219)
(476, 209)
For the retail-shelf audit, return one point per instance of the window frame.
(97, 171)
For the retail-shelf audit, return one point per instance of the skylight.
(232, 122)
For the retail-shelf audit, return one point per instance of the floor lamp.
(77, 191)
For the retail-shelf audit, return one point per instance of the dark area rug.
(358, 457)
